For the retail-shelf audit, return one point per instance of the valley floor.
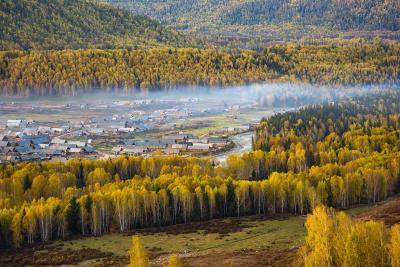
(246, 241)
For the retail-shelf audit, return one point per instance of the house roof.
(134, 150)
(29, 157)
(128, 142)
(41, 140)
(170, 151)
(89, 149)
(21, 149)
(216, 140)
(153, 142)
(76, 150)
(24, 143)
(199, 147)
(116, 149)
(77, 143)
(177, 136)
(58, 141)
(8, 149)
(4, 143)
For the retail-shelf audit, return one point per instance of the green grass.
(263, 234)
(218, 122)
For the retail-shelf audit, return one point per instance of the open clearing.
(246, 241)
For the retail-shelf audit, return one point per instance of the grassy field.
(246, 241)
(221, 237)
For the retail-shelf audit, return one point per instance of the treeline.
(42, 201)
(333, 239)
(342, 14)
(332, 126)
(69, 72)
(50, 205)
(252, 24)
(75, 24)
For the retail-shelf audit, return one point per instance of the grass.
(218, 122)
(257, 234)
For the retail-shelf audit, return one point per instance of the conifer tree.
(73, 211)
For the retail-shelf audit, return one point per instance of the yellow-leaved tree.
(319, 245)
(365, 245)
(394, 246)
(16, 227)
(174, 261)
(138, 254)
(343, 229)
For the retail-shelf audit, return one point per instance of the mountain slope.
(251, 16)
(59, 24)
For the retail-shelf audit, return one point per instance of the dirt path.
(387, 211)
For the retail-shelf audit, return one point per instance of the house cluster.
(21, 141)
(178, 144)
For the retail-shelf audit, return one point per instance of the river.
(242, 144)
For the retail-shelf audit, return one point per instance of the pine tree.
(27, 183)
(138, 254)
(73, 212)
(79, 178)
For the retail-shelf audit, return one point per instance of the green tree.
(73, 216)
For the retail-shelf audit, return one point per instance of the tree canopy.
(69, 72)
(73, 24)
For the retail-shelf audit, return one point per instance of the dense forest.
(352, 157)
(72, 24)
(206, 14)
(69, 72)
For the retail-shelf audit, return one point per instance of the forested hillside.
(69, 72)
(349, 157)
(60, 24)
(208, 15)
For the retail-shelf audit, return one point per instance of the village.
(102, 130)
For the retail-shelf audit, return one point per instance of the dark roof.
(153, 142)
(48, 151)
(41, 140)
(216, 139)
(24, 143)
(32, 137)
(29, 157)
(21, 149)
(89, 149)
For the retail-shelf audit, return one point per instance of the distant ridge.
(338, 14)
(72, 24)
